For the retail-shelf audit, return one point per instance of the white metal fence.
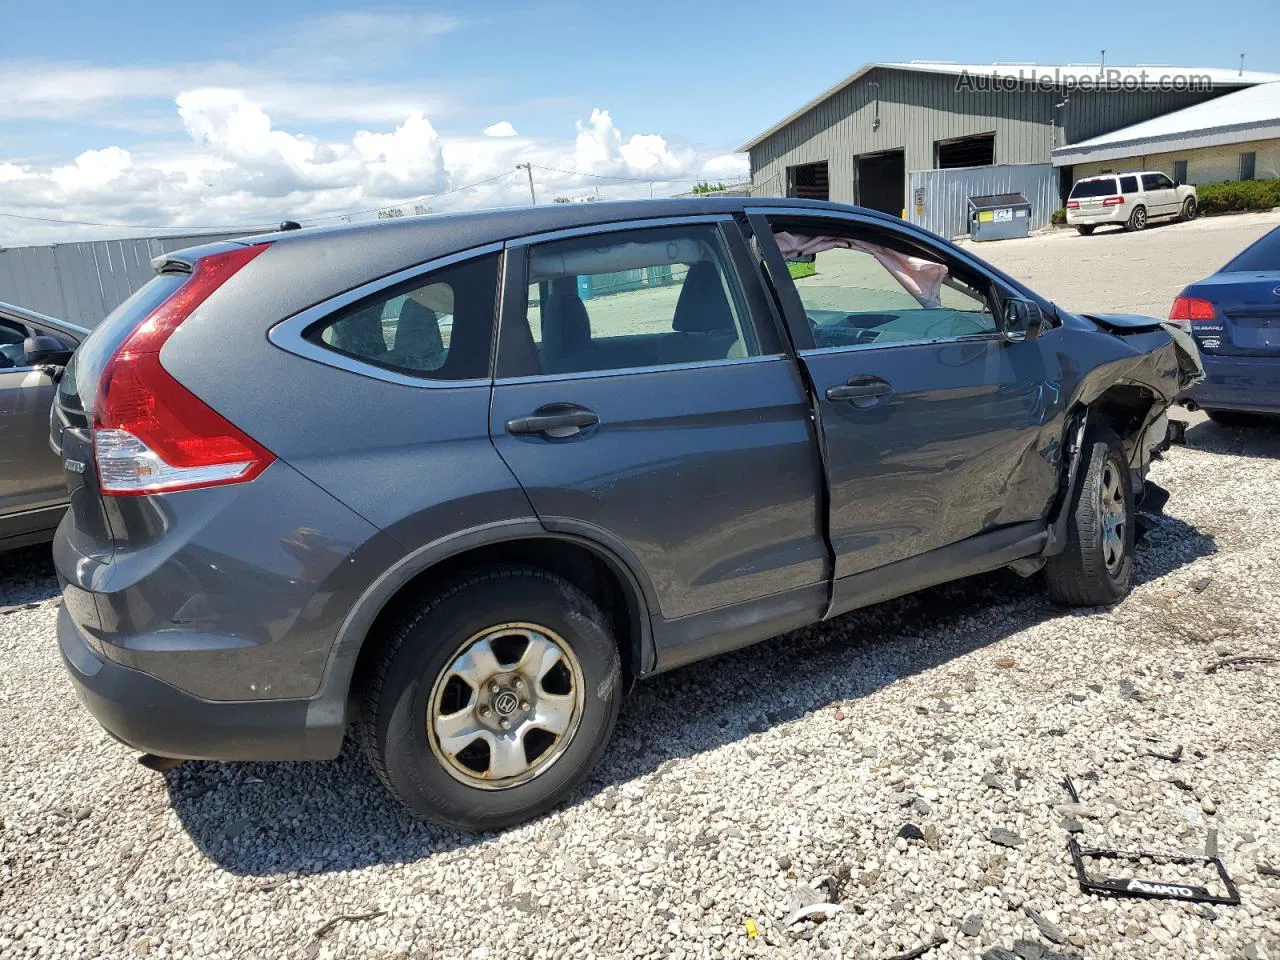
(938, 199)
(83, 282)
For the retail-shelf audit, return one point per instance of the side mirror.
(1021, 320)
(45, 349)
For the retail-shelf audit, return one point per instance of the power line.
(396, 203)
(603, 176)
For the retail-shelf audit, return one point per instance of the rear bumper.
(1246, 384)
(155, 717)
(1077, 218)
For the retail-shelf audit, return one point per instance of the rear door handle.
(555, 420)
(860, 388)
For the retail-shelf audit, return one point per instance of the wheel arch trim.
(329, 705)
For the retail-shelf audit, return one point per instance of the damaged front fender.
(1190, 367)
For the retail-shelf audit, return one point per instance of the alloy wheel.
(1114, 518)
(506, 707)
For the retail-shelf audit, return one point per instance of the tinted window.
(641, 298)
(438, 326)
(1263, 256)
(857, 292)
(1155, 181)
(79, 381)
(1105, 187)
(1128, 184)
(11, 351)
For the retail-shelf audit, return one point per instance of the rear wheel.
(1085, 230)
(493, 700)
(1188, 210)
(1096, 566)
(1138, 219)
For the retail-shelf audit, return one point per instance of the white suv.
(1131, 199)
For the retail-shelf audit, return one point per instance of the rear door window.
(1128, 184)
(636, 298)
(1087, 189)
(438, 326)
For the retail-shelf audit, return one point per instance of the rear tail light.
(1073, 204)
(1191, 309)
(1113, 201)
(150, 433)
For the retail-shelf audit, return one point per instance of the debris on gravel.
(729, 784)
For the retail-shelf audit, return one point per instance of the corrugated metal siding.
(83, 282)
(1095, 112)
(946, 193)
(917, 109)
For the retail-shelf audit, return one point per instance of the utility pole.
(528, 168)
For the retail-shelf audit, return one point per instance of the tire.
(1188, 210)
(1137, 220)
(417, 681)
(1090, 571)
(1230, 418)
(1085, 231)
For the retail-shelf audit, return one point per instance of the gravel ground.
(730, 784)
(733, 785)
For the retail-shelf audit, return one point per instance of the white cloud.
(93, 169)
(116, 96)
(502, 128)
(728, 166)
(239, 166)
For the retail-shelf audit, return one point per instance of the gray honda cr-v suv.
(459, 480)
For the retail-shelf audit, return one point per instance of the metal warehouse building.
(919, 138)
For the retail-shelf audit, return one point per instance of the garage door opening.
(881, 181)
(808, 181)
(979, 151)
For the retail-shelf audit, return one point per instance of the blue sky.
(235, 110)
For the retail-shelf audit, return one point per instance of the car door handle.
(860, 388)
(556, 419)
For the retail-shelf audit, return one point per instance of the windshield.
(1105, 187)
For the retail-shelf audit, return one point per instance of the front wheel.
(492, 700)
(1086, 230)
(1096, 566)
(1137, 220)
(1188, 210)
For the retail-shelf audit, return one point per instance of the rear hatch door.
(1089, 194)
(1247, 308)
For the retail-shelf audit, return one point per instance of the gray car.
(33, 495)
(460, 480)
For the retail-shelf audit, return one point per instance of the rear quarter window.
(1106, 187)
(438, 326)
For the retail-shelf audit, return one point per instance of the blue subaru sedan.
(1234, 316)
